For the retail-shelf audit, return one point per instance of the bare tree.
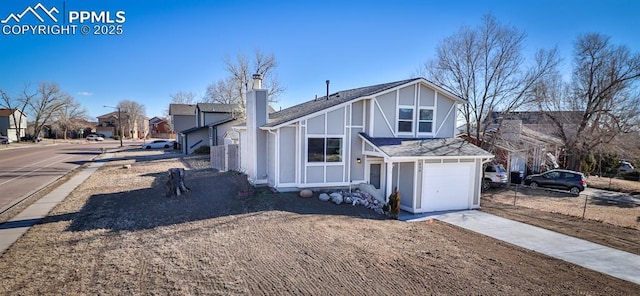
(485, 66)
(133, 114)
(182, 97)
(20, 103)
(233, 89)
(600, 102)
(67, 116)
(47, 101)
(223, 91)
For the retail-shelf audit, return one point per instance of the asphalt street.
(27, 167)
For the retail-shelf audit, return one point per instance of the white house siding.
(403, 175)
(196, 139)
(287, 147)
(427, 96)
(271, 159)
(384, 115)
(445, 115)
(221, 130)
(407, 95)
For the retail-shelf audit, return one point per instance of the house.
(182, 117)
(8, 120)
(212, 121)
(399, 134)
(108, 125)
(160, 128)
(521, 149)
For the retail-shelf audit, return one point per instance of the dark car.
(558, 179)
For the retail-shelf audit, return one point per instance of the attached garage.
(431, 174)
(447, 186)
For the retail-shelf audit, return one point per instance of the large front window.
(324, 149)
(405, 120)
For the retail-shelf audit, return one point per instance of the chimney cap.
(257, 81)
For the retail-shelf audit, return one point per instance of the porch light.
(358, 160)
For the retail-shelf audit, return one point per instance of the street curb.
(17, 226)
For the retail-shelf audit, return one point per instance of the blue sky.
(171, 46)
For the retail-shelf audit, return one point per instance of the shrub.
(116, 137)
(204, 149)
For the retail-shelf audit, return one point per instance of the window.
(324, 149)
(405, 120)
(425, 121)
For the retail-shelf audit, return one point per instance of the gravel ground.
(119, 234)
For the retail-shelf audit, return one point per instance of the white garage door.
(447, 186)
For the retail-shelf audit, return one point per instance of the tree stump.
(175, 182)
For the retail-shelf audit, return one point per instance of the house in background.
(212, 121)
(8, 128)
(182, 117)
(399, 134)
(160, 128)
(108, 126)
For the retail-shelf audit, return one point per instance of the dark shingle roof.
(322, 103)
(218, 107)
(182, 109)
(401, 147)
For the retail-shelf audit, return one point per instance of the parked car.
(575, 182)
(94, 138)
(626, 167)
(31, 138)
(5, 140)
(494, 176)
(158, 144)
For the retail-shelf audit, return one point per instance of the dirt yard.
(118, 234)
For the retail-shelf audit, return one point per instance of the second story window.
(425, 121)
(405, 120)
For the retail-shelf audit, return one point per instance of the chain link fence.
(610, 207)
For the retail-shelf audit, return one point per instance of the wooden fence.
(225, 157)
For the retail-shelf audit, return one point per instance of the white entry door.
(447, 186)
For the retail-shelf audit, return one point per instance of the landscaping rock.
(306, 193)
(336, 198)
(324, 197)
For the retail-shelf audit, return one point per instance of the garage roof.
(428, 147)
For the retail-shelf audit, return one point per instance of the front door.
(376, 174)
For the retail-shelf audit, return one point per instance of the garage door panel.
(447, 186)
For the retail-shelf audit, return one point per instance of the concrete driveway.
(613, 262)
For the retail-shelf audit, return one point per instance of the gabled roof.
(7, 112)
(340, 97)
(218, 107)
(110, 114)
(182, 109)
(156, 120)
(424, 148)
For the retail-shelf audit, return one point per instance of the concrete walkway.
(13, 229)
(616, 263)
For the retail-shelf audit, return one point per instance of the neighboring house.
(8, 126)
(399, 134)
(212, 121)
(521, 149)
(160, 128)
(108, 126)
(182, 117)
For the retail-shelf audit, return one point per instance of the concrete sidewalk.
(13, 229)
(616, 263)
